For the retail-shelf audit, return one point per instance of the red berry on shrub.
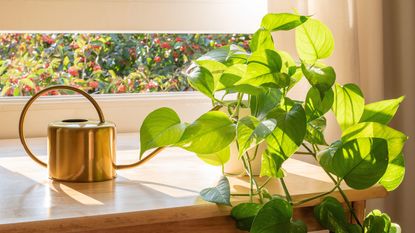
(179, 39)
(54, 92)
(157, 41)
(73, 71)
(175, 54)
(182, 48)
(97, 67)
(27, 88)
(165, 45)
(121, 88)
(93, 84)
(157, 59)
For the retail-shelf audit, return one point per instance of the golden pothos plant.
(368, 153)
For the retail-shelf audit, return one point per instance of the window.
(119, 16)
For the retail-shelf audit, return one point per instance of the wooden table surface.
(160, 196)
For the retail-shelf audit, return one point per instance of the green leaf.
(396, 139)
(330, 214)
(318, 103)
(162, 127)
(271, 165)
(27, 81)
(315, 131)
(382, 111)
(361, 162)
(320, 78)
(262, 39)
(218, 158)
(232, 75)
(325, 156)
(244, 215)
(314, 41)
(221, 194)
(264, 102)
(227, 55)
(395, 228)
(210, 133)
(275, 217)
(290, 131)
(251, 132)
(202, 80)
(282, 21)
(394, 174)
(290, 67)
(377, 222)
(285, 139)
(264, 67)
(216, 69)
(348, 105)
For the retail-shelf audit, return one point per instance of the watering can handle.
(37, 95)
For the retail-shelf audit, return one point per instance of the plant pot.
(235, 165)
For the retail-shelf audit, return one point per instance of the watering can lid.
(81, 123)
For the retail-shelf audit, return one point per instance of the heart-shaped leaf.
(210, 133)
(320, 78)
(377, 222)
(262, 39)
(318, 103)
(244, 215)
(162, 127)
(232, 75)
(361, 162)
(282, 21)
(275, 217)
(264, 102)
(348, 105)
(330, 214)
(394, 174)
(315, 131)
(219, 194)
(228, 55)
(264, 67)
(285, 139)
(218, 158)
(201, 79)
(271, 165)
(382, 111)
(216, 69)
(314, 41)
(396, 139)
(251, 132)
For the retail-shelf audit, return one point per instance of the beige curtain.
(374, 47)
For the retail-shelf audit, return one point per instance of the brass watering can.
(79, 150)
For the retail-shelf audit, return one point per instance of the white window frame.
(126, 110)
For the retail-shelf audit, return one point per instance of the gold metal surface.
(79, 150)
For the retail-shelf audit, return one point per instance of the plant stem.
(303, 153)
(265, 183)
(241, 194)
(238, 105)
(309, 150)
(317, 196)
(251, 186)
(287, 193)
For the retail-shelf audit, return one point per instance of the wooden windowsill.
(160, 194)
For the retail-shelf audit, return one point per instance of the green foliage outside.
(103, 63)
